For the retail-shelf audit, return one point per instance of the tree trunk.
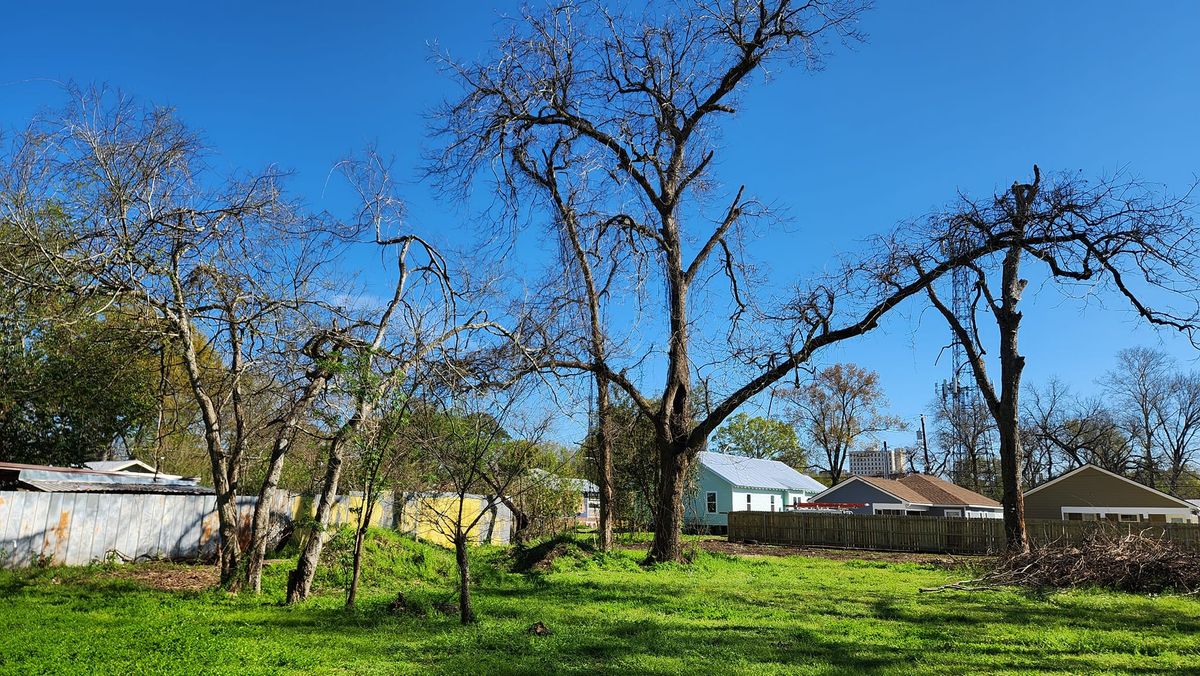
(1007, 410)
(261, 524)
(466, 613)
(1011, 365)
(360, 536)
(300, 579)
(674, 462)
(604, 474)
(227, 516)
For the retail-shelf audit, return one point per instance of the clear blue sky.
(944, 96)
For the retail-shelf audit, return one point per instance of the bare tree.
(422, 319)
(639, 98)
(964, 433)
(1080, 233)
(469, 442)
(841, 405)
(1179, 429)
(215, 260)
(1139, 385)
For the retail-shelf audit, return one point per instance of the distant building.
(1091, 493)
(133, 478)
(911, 495)
(879, 462)
(733, 483)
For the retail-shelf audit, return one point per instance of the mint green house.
(732, 483)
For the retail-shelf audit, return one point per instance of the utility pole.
(925, 443)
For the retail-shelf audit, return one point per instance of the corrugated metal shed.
(755, 473)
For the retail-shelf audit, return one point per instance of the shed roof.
(755, 473)
(557, 482)
(51, 486)
(119, 466)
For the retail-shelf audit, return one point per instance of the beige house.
(1089, 493)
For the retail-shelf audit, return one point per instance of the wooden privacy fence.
(927, 534)
(80, 528)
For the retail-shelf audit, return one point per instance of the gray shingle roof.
(754, 473)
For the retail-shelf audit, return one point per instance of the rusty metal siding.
(81, 528)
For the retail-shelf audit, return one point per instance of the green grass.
(720, 614)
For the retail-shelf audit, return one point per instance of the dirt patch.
(756, 549)
(170, 577)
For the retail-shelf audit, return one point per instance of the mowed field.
(722, 613)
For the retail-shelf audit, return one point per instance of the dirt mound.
(540, 557)
(170, 577)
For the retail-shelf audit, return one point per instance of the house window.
(953, 513)
(772, 503)
(1074, 516)
(747, 502)
(710, 500)
(892, 512)
(1127, 517)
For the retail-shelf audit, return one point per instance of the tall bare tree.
(1112, 232)
(1140, 385)
(640, 99)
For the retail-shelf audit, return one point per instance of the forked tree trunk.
(674, 463)
(260, 527)
(300, 579)
(1006, 410)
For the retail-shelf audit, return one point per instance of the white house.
(732, 483)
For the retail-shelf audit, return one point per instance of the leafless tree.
(1179, 427)
(1139, 385)
(1077, 431)
(215, 259)
(963, 435)
(475, 440)
(639, 98)
(841, 405)
(1112, 232)
(424, 317)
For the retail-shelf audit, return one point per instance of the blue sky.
(945, 96)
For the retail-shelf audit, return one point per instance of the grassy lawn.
(720, 614)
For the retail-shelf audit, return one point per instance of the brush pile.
(1131, 562)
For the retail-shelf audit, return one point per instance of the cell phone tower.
(959, 392)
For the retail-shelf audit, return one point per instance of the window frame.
(710, 502)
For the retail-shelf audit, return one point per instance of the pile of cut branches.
(1110, 559)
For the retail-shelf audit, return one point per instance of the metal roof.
(558, 483)
(755, 473)
(51, 486)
